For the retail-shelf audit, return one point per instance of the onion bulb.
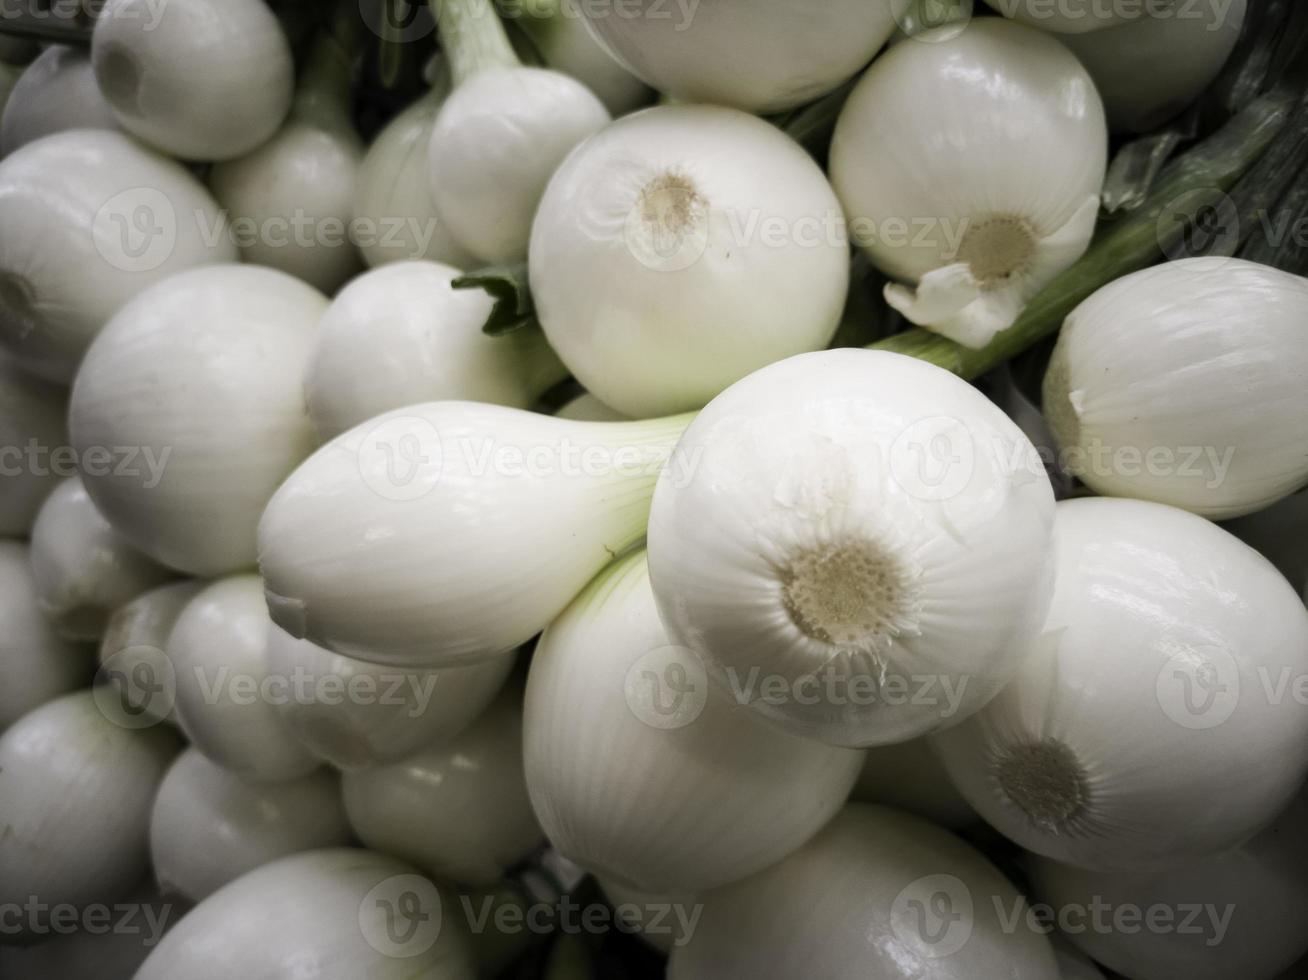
(226, 693)
(877, 893)
(32, 428)
(625, 764)
(56, 92)
(75, 797)
(213, 435)
(970, 166)
(457, 809)
(89, 219)
(1207, 412)
(354, 714)
(1137, 732)
(861, 549)
(401, 334)
(679, 250)
(444, 533)
(199, 79)
(339, 914)
(209, 826)
(909, 776)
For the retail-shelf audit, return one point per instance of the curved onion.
(200, 79)
(33, 425)
(355, 714)
(969, 165)
(226, 696)
(877, 893)
(37, 664)
(56, 92)
(216, 433)
(1206, 413)
(861, 546)
(682, 248)
(340, 914)
(558, 30)
(89, 219)
(457, 809)
(210, 827)
(400, 335)
(626, 771)
(911, 777)
(75, 797)
(759, 56)
(82, 568)
(1137, 733)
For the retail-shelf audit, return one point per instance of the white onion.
(626, 766)
(32, 426)
(587, 408)
(682, 248)
(444, 533)
(910, 776)
(209, 826)
(877, 893)
(355, 714)
(75, 796)
(89, 219)
(1207, 412)
(200, 79)
(458, 808)
(1137, 733)
(861, 547)
(225, 692)
(970, 164)
(400, 335)
(216, 432)
(759, 56)
(37, 664)
(322, 915)
(56, 92)
(82, 568)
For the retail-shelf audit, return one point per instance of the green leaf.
(507, 285)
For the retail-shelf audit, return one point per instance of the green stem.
(473, 38)
(327, 83)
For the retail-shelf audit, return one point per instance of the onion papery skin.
(821, 471)
(1150, 702)
(440, 534)
(224, 429)
(56, 92)
(647, 806)
(852, 904)
(1207, 413)
(209, 826)
(33, 413)
(88, 220)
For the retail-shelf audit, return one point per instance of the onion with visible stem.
(500, 134)
(457, 809)
(75, 797)
(876, 893)
(355, 714)
(199, 79)
(1136, 733)
(910, 777)
(226, 694)
(757, 56)
(401, 334)
(1201, 415)
(289, 202)
(973, 234)
(625, 766)
(88, 220)
(82, 568)
(861, 547)
(37, 664)
(444, 533)
(214, 435)
(210, 826)
(682, 248)
(56, 92)
(33, 425)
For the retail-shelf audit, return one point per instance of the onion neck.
(326, 85)
(473, 38)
